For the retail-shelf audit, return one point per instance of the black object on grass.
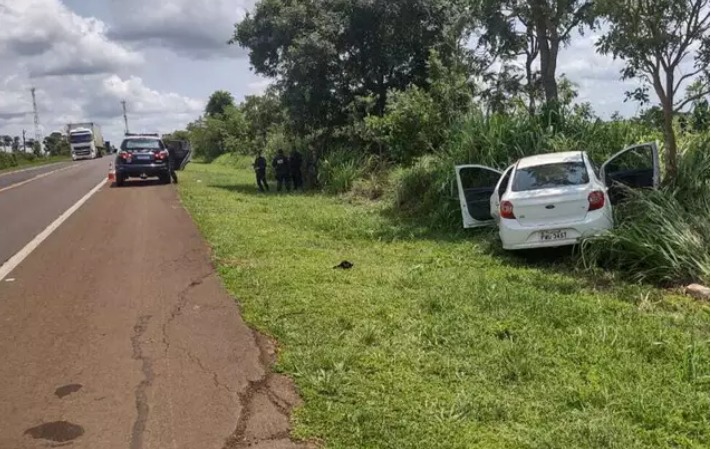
(345, 265)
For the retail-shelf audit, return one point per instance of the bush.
(340, 169)
(662, 236)
(656, 239)
(427, 191)
(7, 160)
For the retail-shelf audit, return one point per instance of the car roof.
(550, 158)
(141, 138)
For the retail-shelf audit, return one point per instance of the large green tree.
(325, 54)
(656, 39)
(218, 102)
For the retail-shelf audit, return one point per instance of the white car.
(552, 199)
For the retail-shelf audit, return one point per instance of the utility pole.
(24, 145)
(38, 133)
(125, 117)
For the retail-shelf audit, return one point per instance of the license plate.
(143, 157)
(553, 235)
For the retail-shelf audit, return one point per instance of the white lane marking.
(15, 260)
(34, 178)
(34, 167)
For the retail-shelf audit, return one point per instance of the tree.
(56, 144)
(16, 143)
(181, 134)
(655, 38)
(217, 103)
(261, 113)
(536, 29)
(325, 54)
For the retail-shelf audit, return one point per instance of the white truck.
(85, 140)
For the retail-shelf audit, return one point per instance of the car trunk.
(140, 157)
(550, 206)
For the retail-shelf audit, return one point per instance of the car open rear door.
(636, 166)
(476, 183)
(182, 151)
(500, 189)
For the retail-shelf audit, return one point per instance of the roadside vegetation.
(385, 102)
(13, 161)
(13, 155)
(437, 339)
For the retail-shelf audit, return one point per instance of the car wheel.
(164, 179)
(119, 180)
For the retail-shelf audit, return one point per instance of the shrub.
(427, 190)
(662, 236)
(340, 169)
(7, 160)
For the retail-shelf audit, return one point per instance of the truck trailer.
(85, 140)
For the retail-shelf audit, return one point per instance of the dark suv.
(144, 156)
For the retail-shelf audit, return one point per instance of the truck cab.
(85, 140)
(81, 141)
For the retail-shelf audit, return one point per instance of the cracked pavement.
(122, 305)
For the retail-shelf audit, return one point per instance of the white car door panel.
(476, 184)
(636, 166)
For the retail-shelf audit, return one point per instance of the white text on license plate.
(553, 235)
(143, 156)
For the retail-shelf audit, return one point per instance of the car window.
(641, 158)
(550, 175)
(505, 182)
(143, 144)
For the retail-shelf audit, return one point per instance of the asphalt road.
(115, 331)
(17, 176)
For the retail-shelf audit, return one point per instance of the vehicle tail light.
(596, 200)
(125, 155)
(161, 154)
(506, 210)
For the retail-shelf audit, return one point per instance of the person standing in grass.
(295, 163)
(260, 169)
(281, 167)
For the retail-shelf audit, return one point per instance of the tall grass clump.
(427, 191)
(340, 169)
(662, 236)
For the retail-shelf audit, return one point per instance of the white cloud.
(50, 40)
(197, 28)
(93, 98)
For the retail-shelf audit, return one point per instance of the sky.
(164, 58)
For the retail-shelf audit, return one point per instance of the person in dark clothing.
(260, 169)
(172, 162)
(281, 167)
(295, 162)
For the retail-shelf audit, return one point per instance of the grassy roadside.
(24, 163)
(433, 341)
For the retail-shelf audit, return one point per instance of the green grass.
(25, 163)
(438, 341)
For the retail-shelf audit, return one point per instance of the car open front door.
(182, 151)
(636, 166)
(476, 183)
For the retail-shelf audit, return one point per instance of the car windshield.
(141, 144)
(80, 138)
(550, 175)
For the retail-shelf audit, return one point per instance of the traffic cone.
(112, 173)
